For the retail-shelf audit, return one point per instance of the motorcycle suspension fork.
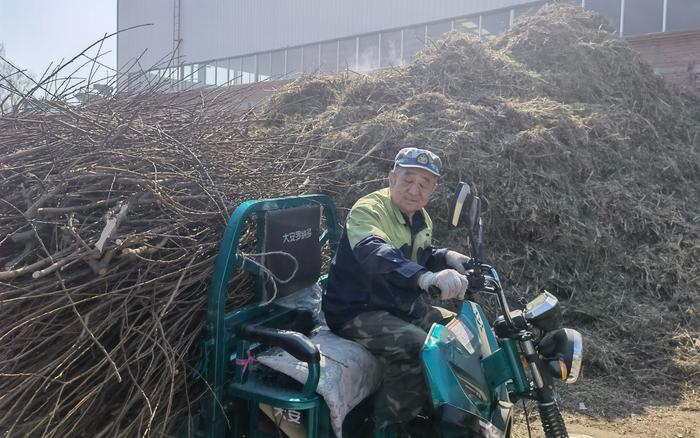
(552, 421)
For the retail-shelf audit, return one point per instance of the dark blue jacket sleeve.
(376, 256)
(436, 261)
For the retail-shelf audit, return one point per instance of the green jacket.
(379, 258)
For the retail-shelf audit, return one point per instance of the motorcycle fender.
(449, 369)
(452, 361)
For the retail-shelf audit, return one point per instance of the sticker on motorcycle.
(462, 333)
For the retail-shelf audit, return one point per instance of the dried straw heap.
(111, 213)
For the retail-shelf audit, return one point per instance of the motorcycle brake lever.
(471, 265)
(476, 282)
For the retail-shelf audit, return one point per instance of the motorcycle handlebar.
(491, 284)
(476, 284)
(483, 278)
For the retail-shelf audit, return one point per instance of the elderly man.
(377, 284)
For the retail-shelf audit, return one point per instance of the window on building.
(437, 31)
(329, 57)
(643, 16)
(368, 52)
(390, 54)
(493, 24)
(157, 76)
(153, 77)
(222, 72)
(610, 9)
(199, 72)
(413, 41)
(264, 66)
(248, 69)
(210, 74)
(347, 54)
(294, 61)
(310, 56)
(468, 25)
(277, 64)
(682, 15)
(187, 78)
(235, 76)
(150, 78)
(173, 74)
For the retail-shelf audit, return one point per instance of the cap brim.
(418, 166)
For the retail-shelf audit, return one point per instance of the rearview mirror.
(467, 206)
(462, 192)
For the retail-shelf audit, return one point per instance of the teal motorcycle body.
(476, 370)
(463, 395)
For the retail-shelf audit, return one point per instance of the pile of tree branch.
(110, 220)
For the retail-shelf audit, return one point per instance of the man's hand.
(451, 283)
(456, 261)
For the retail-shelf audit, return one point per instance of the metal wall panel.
(156, 39)
(212, 29)
(218, 28)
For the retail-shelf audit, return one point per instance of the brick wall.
(674, 55)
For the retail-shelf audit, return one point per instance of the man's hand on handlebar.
(450, 283)
(467, 266)
(457, 261)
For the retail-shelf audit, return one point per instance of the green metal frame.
(217, 370)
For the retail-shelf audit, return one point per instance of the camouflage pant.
(396, 343)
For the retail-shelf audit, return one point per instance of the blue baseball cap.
(419, 158)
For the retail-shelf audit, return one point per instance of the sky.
(38, 32)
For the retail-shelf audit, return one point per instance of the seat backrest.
(291, 250)
(290, 225)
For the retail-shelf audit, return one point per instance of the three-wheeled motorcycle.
(272, 368)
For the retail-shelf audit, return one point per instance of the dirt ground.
(597, 411)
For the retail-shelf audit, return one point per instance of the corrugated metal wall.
(156, 38)
(211, 29)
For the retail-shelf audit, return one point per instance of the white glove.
(456, 261)
(451, 283)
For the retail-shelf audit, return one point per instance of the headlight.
(562, 350)
(544, 312)
(576, 358)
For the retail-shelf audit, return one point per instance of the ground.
(612, 415)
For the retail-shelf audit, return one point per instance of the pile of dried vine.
(589, 160)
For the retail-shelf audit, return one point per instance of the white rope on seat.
(269, 275)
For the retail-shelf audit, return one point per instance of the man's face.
(411, 188)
